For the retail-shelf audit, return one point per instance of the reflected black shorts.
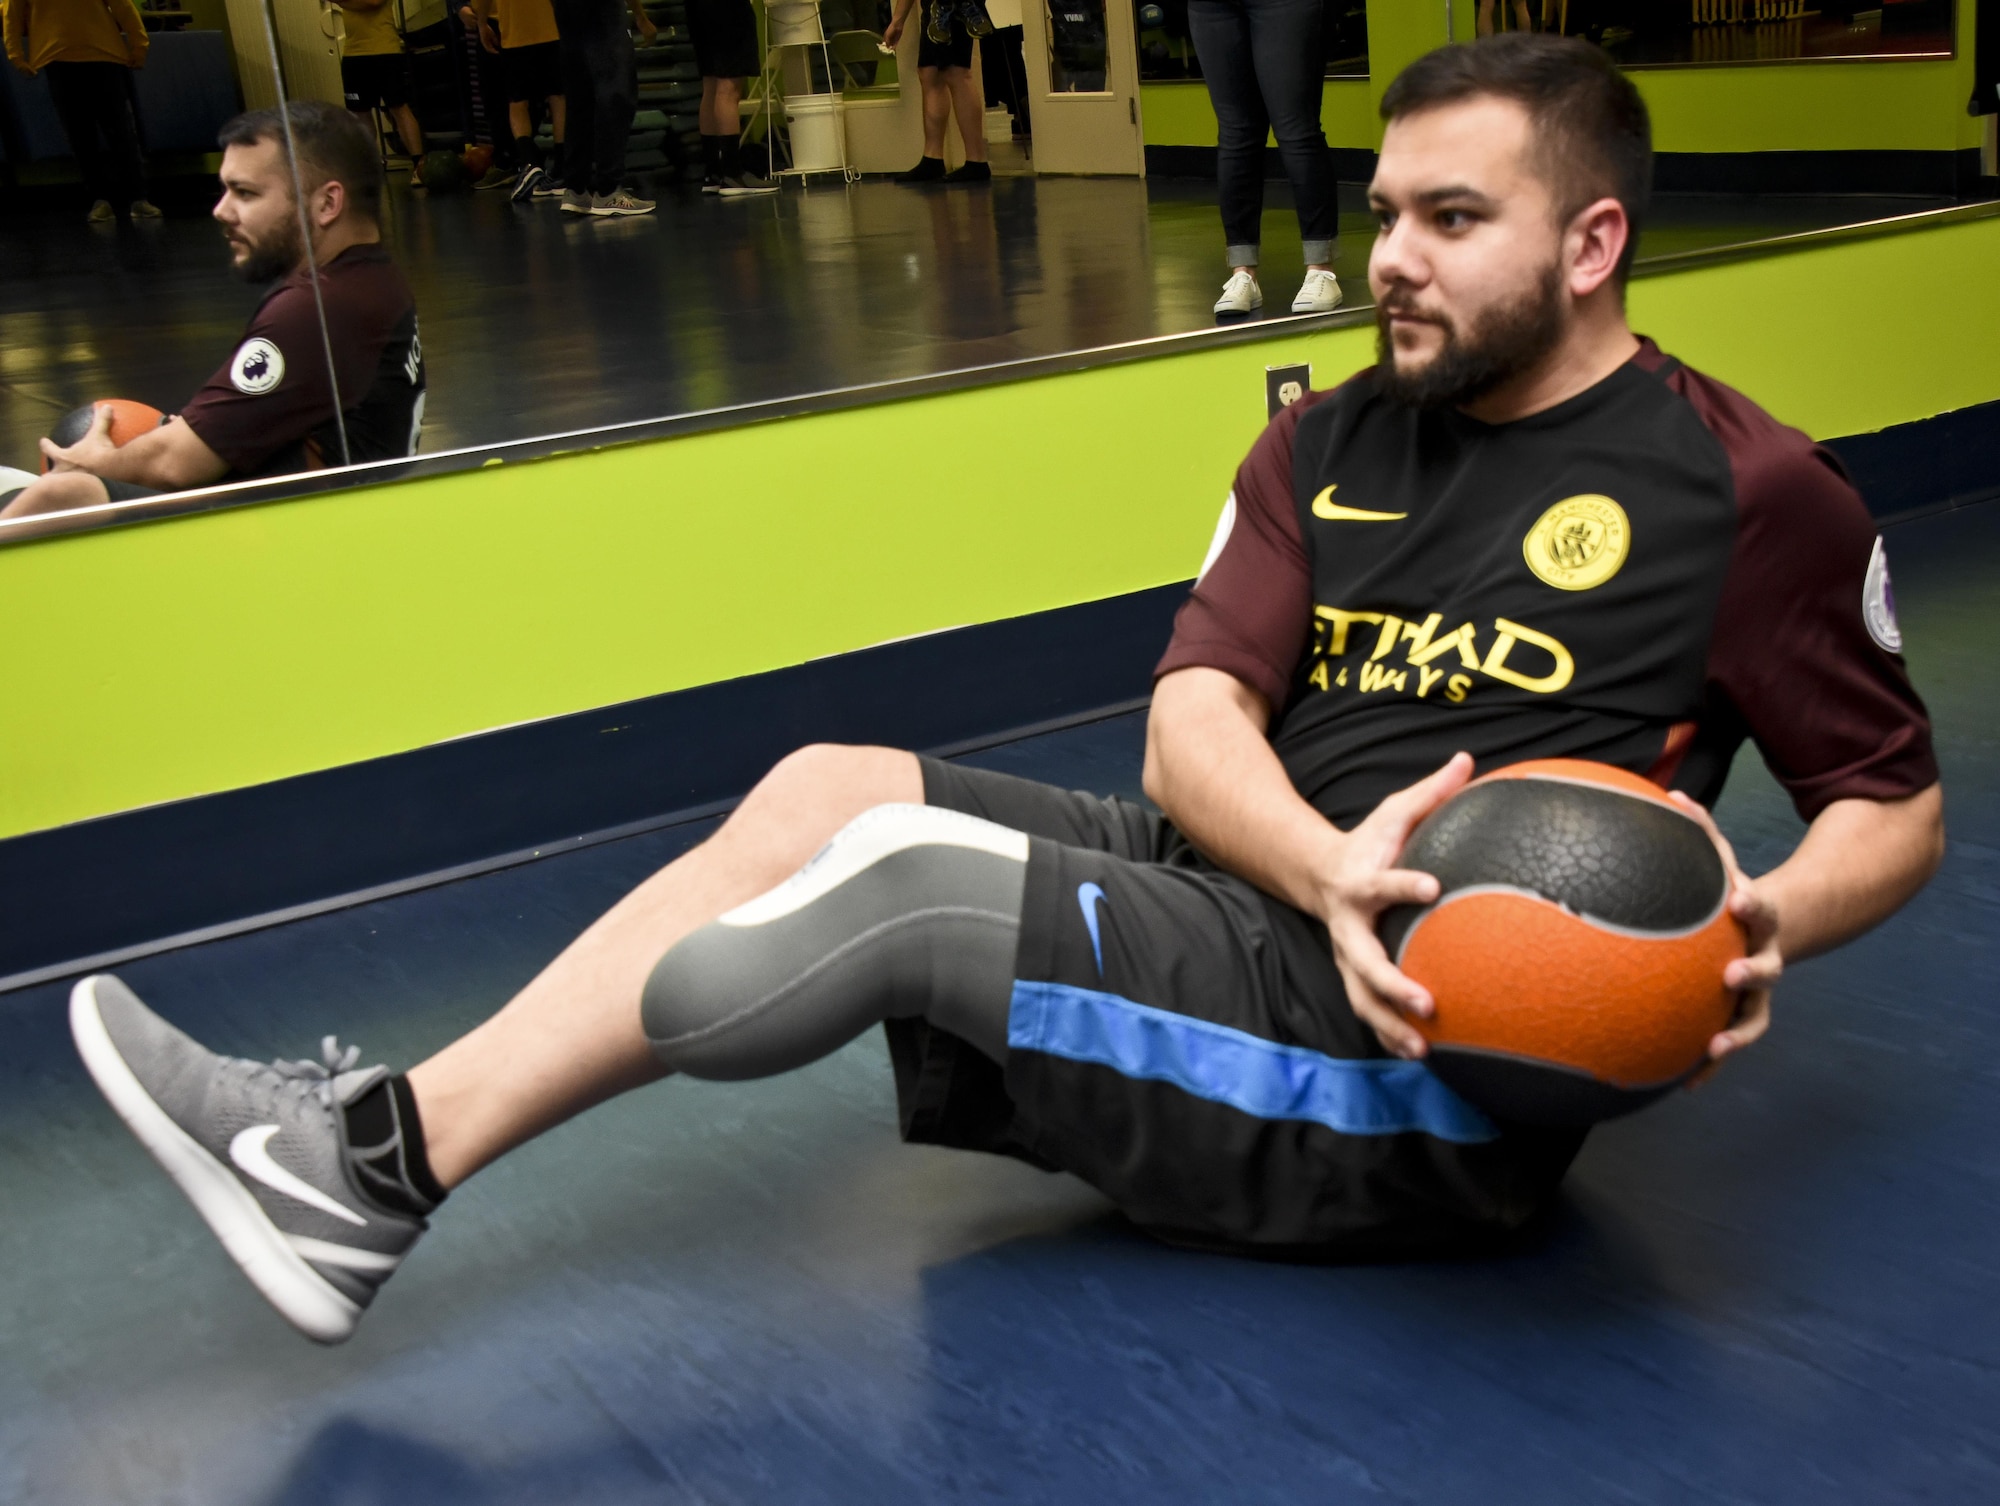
(957, 53)
(532, 72)
(1182, 1042)
(377, 78)
(724, 33)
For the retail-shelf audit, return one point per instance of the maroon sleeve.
(272, 391)
(1806, 643)
(1251, 607)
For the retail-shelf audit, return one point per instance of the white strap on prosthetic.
(909, 910)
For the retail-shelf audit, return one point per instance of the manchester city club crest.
(1579, 543)
(257, 366)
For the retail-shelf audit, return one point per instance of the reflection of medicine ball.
(444, 173)
(1576, 952)
(128, 421)
(1152, 15)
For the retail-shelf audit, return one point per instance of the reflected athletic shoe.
(550, 186)
(145, 209)
(977, 23)
(619, 205)
(101, 213)
(525, 183)
(575, 201)
(1319, 295)
(1240, 295)
(937, 26)
(261, 1151)
(743, 182)
(496, 177)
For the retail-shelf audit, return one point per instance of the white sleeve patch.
(1224, 526)
(257, 367)
(1878, 603)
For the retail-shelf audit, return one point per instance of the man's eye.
(1385, 218)
(1453, 219)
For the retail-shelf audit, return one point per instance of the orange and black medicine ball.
(128, 421)
(1575, 953)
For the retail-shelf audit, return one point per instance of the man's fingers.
(100, 422)
(1418, 800)
(1397, 1035)
(1399, 886)
(1360, 952)
(1699, 812)
(1751, 1023)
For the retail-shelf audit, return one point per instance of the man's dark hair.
(334, 147)
(1592, 136)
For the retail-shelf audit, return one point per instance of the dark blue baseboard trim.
(96, 891)
(81, 895)
(1927, 466)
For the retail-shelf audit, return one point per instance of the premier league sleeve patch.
(1878, 603)
(257, 367)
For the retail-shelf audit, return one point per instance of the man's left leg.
(318, 1177)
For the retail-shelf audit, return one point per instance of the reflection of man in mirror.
(269, 410)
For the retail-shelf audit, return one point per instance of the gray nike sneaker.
(260, 1150)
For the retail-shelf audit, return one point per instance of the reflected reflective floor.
(535, 322)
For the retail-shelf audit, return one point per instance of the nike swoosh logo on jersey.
(250, 1150)
(1325, 507)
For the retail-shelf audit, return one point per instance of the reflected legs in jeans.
(1263, 61)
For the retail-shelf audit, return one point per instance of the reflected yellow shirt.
(40, 32)
(370, 33)
(525, 23)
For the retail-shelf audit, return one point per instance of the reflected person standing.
(269, 410)
(88, 51)
(1264, 61)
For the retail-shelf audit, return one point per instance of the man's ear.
(329, 202)
(1595, 242)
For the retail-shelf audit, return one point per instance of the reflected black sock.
(711, 155)
(732, 155)
(526, 153)
(385, 1136)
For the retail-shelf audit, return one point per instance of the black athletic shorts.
(957, 53)
(724, 33)
(532, 73)
(1183, 1042)
(376, 78)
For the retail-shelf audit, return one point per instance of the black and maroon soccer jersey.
(270, 410)
(1644, 575)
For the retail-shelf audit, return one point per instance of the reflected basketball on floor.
(1575, 953)
(128, 421)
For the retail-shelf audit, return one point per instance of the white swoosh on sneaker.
(248, 1150)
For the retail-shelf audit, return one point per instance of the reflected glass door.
(1083, 87)
(1079, 46)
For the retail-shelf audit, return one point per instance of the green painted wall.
(230, 648)
(1815, 107)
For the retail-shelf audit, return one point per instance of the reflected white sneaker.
(101, 213)
(1320, 294)
(1240, 295)
(575, 201)
(261, 1151)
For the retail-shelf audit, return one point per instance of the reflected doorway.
(1082, 61)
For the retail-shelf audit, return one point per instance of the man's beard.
(1500, 344)
(269, 259)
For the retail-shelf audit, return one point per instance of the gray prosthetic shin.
(909, 910)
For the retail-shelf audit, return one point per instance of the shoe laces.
(316, 1077)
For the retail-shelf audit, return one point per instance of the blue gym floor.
(1785, 1287)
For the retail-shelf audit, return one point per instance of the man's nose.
(1395, 257)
